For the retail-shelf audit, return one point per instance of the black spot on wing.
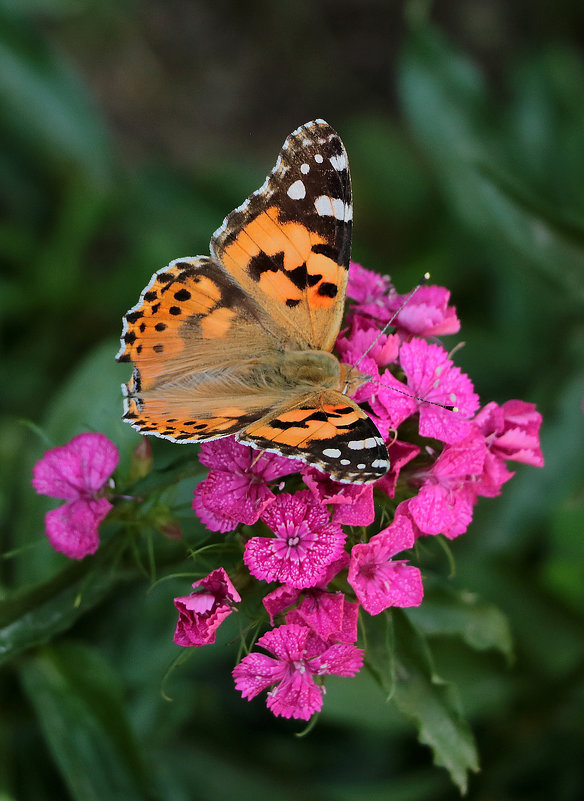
(330, 251)
(328, 290)
(262, 263)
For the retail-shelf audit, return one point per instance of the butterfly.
(240, 342)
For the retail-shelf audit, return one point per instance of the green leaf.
(377, 631)
(432, 704)
(562, 572)
(45, 107)
(480, 625)
(35, 615)
(446, 104)
(80, 709)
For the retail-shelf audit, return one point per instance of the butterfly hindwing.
(198, 344)
(288, 244)
(328, 431)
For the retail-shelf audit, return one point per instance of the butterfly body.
(240, 343)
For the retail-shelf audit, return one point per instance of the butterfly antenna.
(406, 300)
(414, 397)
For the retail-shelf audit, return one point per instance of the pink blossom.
(353, 503)
(201, 613)
(352, 344)
(368, 288)
(304, 545)
(426, 313)
(78, 473)
(378, 580)
(445, 501)
(363, 346)
(400, 453)
(511, 432)
(236, 489)
(431, 376)
(285, 596)
(298, 657)
(328, 614)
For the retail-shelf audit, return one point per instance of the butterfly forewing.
(288, 244)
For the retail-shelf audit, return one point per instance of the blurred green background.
(128, 130)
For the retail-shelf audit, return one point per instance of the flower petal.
(72, 529)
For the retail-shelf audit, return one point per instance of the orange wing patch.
(152, 337)
(288, 244)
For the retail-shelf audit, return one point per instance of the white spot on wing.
(333, 207)
(360, 444)
(339, 162)
(318, 158)
(297, 190)
(304, 168)
(332, 453)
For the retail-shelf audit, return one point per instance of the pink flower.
(281, 598)
(201, 613)
(511, 431)
(363, 346)
(328, 614)
(400, 453)
(445, 501)
(378, 580)
(236, 489)
(77, 473)
(369, 289)
(426, 314)
(353, 503)
(304, 545)
(285, 596)
(298, 657)
(352, 344)
(431, 376)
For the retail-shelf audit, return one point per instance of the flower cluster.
(315, 542)
(326, 552)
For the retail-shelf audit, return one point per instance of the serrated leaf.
(80, 709)
(463, 614)
(431, 703)
(377, 631)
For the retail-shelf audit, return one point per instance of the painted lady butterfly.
(240, 343)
